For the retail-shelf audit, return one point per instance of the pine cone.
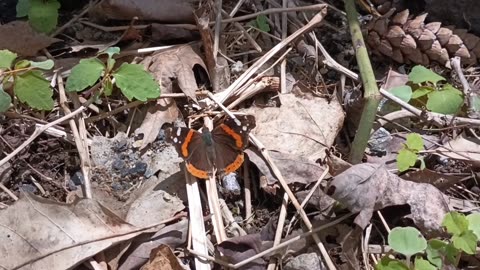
(410, 40)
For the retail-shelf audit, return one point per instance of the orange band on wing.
(196, 172)
(236, 136)
(235, 164)
(186, 143)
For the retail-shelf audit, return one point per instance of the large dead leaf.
(36, 233)
(294, 169)
(165, 111)
(464, 148)
(19, 37)
(174, 235)
(175, 66)
(299, 127)
(162, 258)
(365, 188)
(179, 11)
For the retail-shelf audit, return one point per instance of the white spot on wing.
(175, 140)
(179, 131)
(244, 128)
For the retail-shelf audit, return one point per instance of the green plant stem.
(371, 96)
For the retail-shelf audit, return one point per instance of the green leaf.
(435, 249)
(403, 92)
(451, 253)
(31, 88)
(466, 241)
(5, 100)
(422, 91)
(22, 8)
(262, 23)
(47, 64)
(421, 264)
(43, 15)
(390, 264)
(445, 101)
(110, 51)
(455, 223)
(135, 82)
(474, 224)
(449, 87)
(22, 64)
(421, 74)
(6, 58)
(475, 103)
(85, 74)
(107, 87)
(406, 159)
(414, 142)
(407, 241)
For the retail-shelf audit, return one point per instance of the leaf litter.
(132, 171)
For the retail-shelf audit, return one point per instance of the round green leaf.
(262, 23)
(403, 92)
(405, 159)
(435, 249)
(390, 264)
(5, 100)
(46, 65)
(451, 253)
(421, 264)
(414, 141)
(85, 74)
(43, 15)
(421, 74)
(466, 241)
(111, 51)
(135, 82)
(445, 101)
(422, 91)
(31, 88)
(474, 224)
(456, 223)
(6, 58)
(407, 241)
(22, 8)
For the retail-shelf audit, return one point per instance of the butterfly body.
(221, 149)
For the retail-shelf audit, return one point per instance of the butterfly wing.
(230, 138)
(190, 146)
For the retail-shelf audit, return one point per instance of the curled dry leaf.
(165, 111)
(19, 37)
(163, 258)
(299, 127)
(174, 235)
(36, 233)
(176, 65)
(365, 188)
(179, 11)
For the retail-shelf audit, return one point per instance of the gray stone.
(307, 261)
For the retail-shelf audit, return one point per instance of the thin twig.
(38, 132)
(272, 11)
(74, 19)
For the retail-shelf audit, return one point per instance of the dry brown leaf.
(464, 148)
(165, 111)
(175, 64)
(163, 258)
(179, 11)
(36, 233)
(294, 169)
(365, 188)
(300, 127)
(19, 37)
(174, 235)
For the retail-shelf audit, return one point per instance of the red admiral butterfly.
(222, 148)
